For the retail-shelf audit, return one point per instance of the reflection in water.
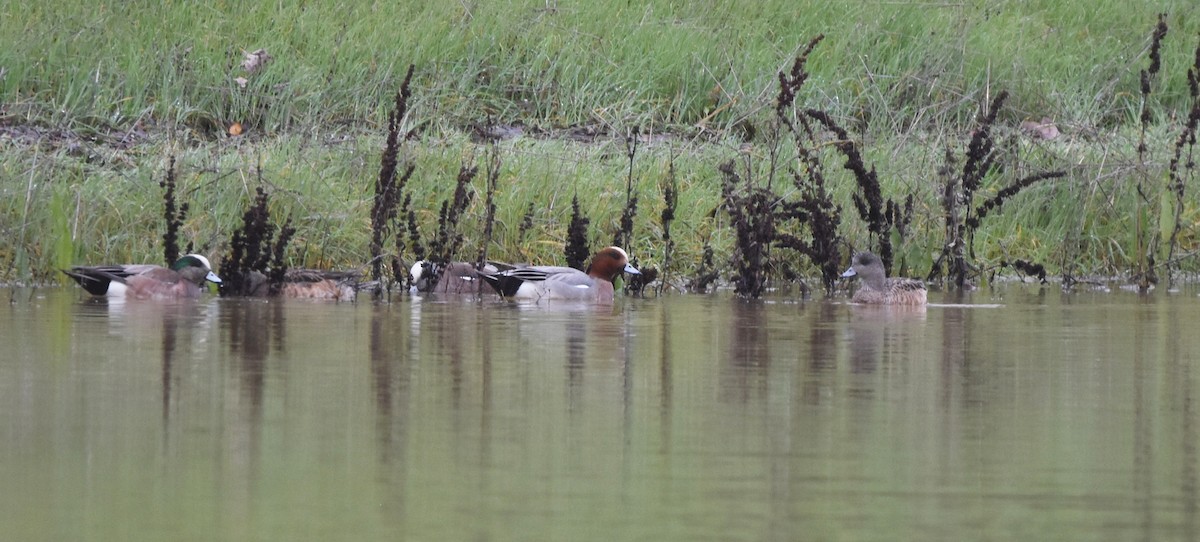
(879, 331)
(666, 382)
(683, 418)
(1143, 455)
(253, 329)
(749, 354)
(1182, 393)
(178, 324)
(390, 383)
(820, 361)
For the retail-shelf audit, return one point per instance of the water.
(1022, 414)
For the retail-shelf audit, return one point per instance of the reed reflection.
(389, 344)
(1182, 391)
(666, 381)
(745, 369)
(181, 324)
(389, 352)
(253, 330)
(822, 353)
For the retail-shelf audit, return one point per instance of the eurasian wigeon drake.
(184, 279)
(308, 284)
(453, 278)
(877, 288)
(568, 283)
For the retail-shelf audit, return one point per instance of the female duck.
(299, 284)
(184, 279)
(877, 288)
(553, 282)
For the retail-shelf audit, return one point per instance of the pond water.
(1021, 413)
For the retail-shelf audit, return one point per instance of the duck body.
(184, 279)
(877, 288)
(306, 284)
(453, 278)
(542, 282)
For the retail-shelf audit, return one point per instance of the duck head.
(866, 266)
(609, 263)
(421, 275)
(195, 268)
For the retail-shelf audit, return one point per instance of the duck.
(877, 288)
(567, 283)
(306, 284)
(453, 278)
(184, 279)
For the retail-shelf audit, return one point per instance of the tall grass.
(326, 189)
(113, 96)
(895, 66)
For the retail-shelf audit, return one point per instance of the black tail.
(93, 283)
(504, 285)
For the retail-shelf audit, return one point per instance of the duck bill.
(849, 273)
(213, 278)
(632, 270)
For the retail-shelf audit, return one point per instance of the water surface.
(1049, 416)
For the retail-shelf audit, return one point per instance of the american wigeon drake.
(309, 284)
(453, 278)
(877, 288)
(184, 279)
(554, 282)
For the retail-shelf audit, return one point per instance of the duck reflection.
(181, 322)
(593, 337)
(876, 331)
(822, 353)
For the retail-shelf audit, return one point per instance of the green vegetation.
(96, 99)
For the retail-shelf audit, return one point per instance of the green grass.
(116, 91)
(901, 64)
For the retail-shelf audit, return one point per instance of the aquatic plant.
(881, 216)
(173, 214)
(526, 222)
(389, 186)
(958, 192)
(807, 223)
(576, 249)
(753, 208)
(823, 217)
(752, 212)
(255, 250)
(636, 284)
(1182, 167)
(624, 235)
(961, 217)
(1032, 269)
(1144, 241)
(670, 191)
(706, 274)
(489, 213)
(815, 206)
(448, 239)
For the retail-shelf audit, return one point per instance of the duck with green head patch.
(184, 279)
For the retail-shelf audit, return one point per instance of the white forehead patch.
(203, 260)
